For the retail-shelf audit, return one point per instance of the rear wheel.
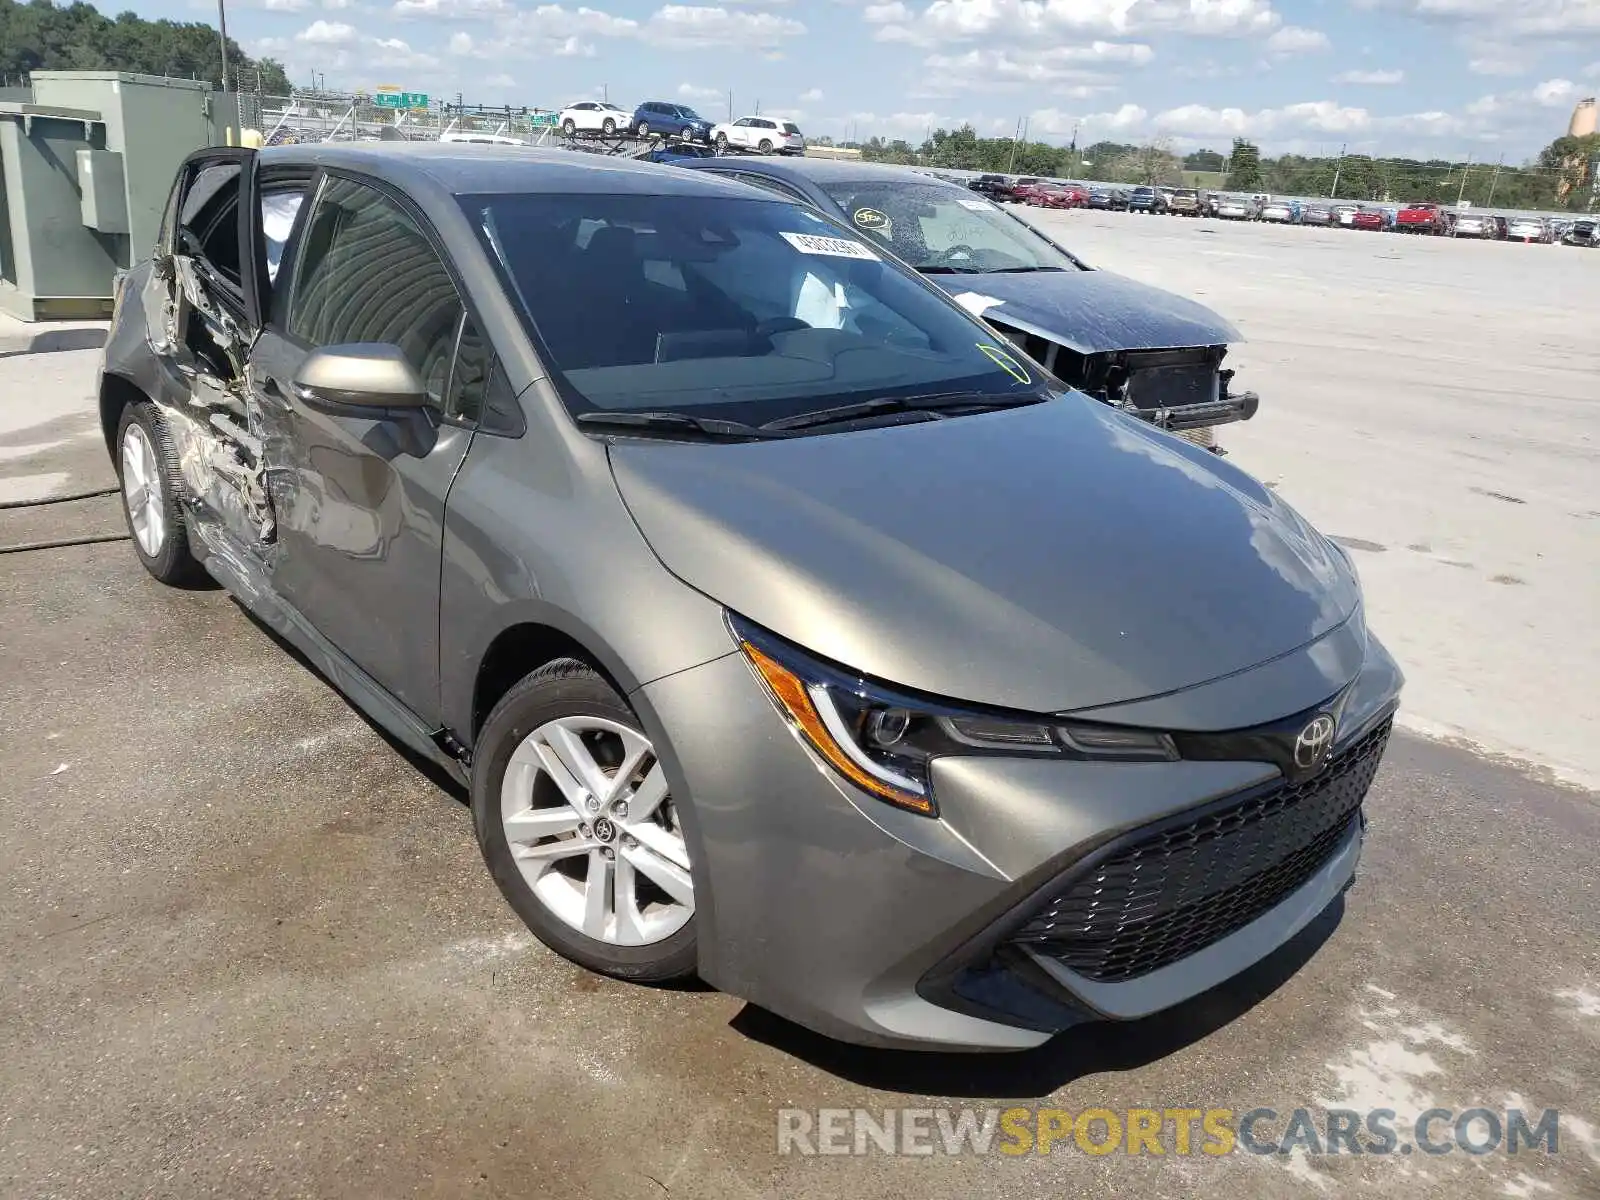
(643, 129)
(766, 146)
(148, 471)
(608, 127)
(574, 817)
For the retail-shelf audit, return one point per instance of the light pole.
(222, 35)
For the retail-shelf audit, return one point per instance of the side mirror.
(359, 379)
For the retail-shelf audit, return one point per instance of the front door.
(361, 501)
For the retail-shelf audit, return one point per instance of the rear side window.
(367, 273)
(208, 219)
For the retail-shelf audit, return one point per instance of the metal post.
(1465, 171)
(1011, 166)
(222, 36)
(1333, 193)
(1494, 180)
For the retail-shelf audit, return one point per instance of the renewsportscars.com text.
(1165, 1131)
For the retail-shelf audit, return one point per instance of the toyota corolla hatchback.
(785, 628)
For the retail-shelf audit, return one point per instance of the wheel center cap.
(604, 830)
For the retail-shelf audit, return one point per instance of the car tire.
(567, 694)
(722, 143)
(643, 129)
(765, 146)
(569, 127)
(147, 475)
(608, 127)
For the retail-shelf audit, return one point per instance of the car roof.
(829, 170)
(465, 168)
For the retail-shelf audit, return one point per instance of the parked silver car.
(781, 625)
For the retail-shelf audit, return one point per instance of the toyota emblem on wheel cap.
(1315, 740)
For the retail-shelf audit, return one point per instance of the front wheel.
(569, 127)
(576, 822)
(722, 142)
(147, 469)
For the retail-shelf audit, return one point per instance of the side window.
(280, 205)
(470, 376)
(367, 273)
(767, 183)
(208, 219)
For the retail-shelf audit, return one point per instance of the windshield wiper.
(933, 403)
(1022, 270)
(714, 427)
(944, 270)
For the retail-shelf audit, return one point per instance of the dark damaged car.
(1133, 346)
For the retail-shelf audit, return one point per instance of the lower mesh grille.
(1181, 886)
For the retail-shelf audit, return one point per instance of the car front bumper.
(882, 927)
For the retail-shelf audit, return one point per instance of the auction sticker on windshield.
(975, 205)
(811, 243)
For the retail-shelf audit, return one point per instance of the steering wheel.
(774, 325)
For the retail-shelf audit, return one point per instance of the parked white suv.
(762, 134)
(594, 116)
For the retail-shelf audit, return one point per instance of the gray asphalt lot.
(249, 948)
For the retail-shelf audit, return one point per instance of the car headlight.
(884, 740)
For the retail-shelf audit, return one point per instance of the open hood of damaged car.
(1090, 311)
(1051, 558)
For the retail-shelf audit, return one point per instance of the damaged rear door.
(201, 325)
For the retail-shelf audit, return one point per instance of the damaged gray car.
(1147, 351)
(732, 571)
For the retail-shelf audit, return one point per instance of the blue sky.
(1449, 78)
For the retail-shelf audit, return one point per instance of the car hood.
(1056, 557)
(1090, 311)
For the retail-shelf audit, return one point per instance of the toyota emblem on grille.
(1315, 740)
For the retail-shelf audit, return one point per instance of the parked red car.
(1046, 195)
(1367, 218)
(1420, 217)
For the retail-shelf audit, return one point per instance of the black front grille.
(1163, 893)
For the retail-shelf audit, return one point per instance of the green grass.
(1206, 180)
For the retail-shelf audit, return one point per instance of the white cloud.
(460, 43)
(900, 123)
(691, 26)
(292, 6)
(1127, 118)
(458, 9)
(392, 52)
(1069, 71)
(1493, 20)
(1296, 39)
(335, 5)
(1491, 64)
(1036, 22)
(811, 95)
(1552, 93)
(1374, 78)
(690, 91)
(327, 33)
(501, 80)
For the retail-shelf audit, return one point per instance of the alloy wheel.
(141, 490)
(587, 817)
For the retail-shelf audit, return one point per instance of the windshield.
(689, 114)
(744, 309)
(942, 229)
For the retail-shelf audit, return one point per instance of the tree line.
(41, 36)
(1560, 177)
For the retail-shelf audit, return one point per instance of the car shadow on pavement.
(1089, 1049)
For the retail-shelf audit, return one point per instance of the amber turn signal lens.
(790, 692)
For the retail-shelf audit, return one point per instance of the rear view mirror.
(359, 378)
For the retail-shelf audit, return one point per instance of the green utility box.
(86, 167)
